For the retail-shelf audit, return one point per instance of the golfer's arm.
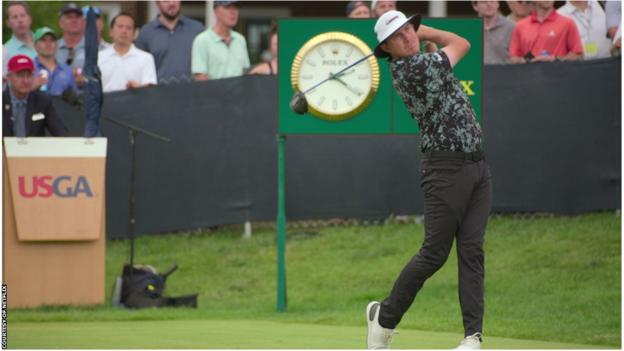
(452, 44)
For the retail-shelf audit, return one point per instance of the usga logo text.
(61, 186)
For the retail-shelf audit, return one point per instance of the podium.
(54, 221)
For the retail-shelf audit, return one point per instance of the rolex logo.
(335, 50)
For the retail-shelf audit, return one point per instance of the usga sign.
(61, 186)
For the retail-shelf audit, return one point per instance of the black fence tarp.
(552, 141)
(553, 136)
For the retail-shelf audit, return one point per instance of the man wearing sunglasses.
(71, 47)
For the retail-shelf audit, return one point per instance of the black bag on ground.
(143, 286)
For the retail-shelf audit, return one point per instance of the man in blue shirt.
(51, 77)
(71, 47)
(169, 38)
(21, 42)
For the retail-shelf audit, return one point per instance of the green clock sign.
(361, 100)
(347, 94)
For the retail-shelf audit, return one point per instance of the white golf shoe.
(471, 342)
(379, 338)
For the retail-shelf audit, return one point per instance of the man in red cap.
(27, 113)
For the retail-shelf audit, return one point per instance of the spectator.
(99, 25)
(519, 10)
(71, 47)
(379, 7)
(616, 47)
(613, 11)
(497, 32)
(123, 66)
(358, 9)
(51, 77)
(591, 23)
(21, 42)
(269, 67)
(545, 36)
(169, 38)
(26, 112)
(220, 52)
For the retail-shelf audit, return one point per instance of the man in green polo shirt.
(220, 52)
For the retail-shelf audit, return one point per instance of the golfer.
(455, 178)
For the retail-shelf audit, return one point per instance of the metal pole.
(281, 224)
(209, 14)
(131, 220)
(247, 233)
(437, 8)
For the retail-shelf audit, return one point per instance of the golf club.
(299, 104)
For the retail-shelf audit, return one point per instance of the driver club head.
(299, 104)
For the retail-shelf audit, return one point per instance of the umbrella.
(93, 97)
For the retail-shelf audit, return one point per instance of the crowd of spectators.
(540, 33)
(534, 31)
(174, 48)
(170, 48)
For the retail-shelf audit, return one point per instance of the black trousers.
(457, 202)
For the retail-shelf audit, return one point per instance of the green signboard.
(385, 113)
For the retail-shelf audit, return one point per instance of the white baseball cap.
(388, 24)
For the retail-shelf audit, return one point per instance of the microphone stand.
(134, 132)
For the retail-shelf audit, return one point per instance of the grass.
(248, 334)
(551, 279)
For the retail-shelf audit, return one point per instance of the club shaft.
(338, 73)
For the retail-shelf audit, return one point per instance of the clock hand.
(352, 89)
(343, 73)
(299, 104)
(338, 73)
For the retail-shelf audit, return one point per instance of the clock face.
(349, 92)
